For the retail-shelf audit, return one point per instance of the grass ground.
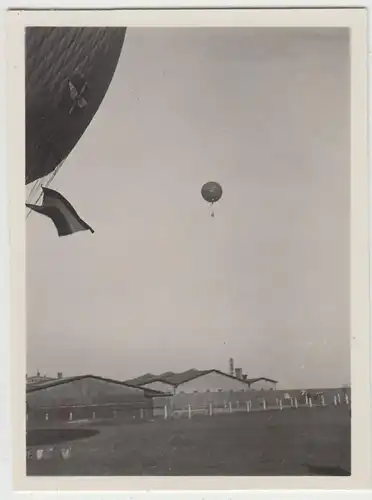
(265, 443)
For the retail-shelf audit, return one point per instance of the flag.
(62, 213)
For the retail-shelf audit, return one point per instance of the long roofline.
(158, 379)
(66, 380)
(252, 380)
(205, 372)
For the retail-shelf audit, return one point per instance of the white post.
(224, 404)
(189, 411)
(94, 414)
(296, 403)
(306, 399)
(237, 405)
(210, 409)
(346, 399)
(291, 402)
(165, 412)
(335, 400)
(65, 453)
(322, 402)
(280, 404)
(70, 416)
(141, 413)
(230, 408)
(46, 416)
(264, 404)
(310, 403)
(339, 398)
(247, 403)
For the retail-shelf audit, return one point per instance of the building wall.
(44, 416)
(263, 385)
(239, 399)
(213, 382)
(160, 386)
(86, 391)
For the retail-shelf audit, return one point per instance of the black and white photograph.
(188, 266)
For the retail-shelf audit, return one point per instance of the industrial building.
(86, 397)
(193, 381)
(39, 379)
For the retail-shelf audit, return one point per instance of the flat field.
(303, 441)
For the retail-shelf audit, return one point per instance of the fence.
(247, 401)
(207, 403)
(51, 415)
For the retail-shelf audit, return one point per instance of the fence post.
(165, 412)
(264, 404)
(280, 404)
(310, 403)
(237, 405)
(224, 404)
(338, 398)
(247, 403)
(322, 402)
(141, 413)
(46, 416)
(230, 408)
(296, 403)
(65, 453)
(70, 415)
(335, 400)
(210, 409)
(346, 399)
(94, 415)
(189, 408)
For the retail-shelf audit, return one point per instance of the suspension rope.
(54, 173)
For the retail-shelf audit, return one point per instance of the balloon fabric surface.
(211, 192)
(68, 72)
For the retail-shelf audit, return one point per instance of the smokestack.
(231, 366)
(238, 373)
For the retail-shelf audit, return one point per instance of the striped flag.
(62, 213)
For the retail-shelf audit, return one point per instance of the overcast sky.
(163, 286)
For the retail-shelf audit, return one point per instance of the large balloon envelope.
(68, 72)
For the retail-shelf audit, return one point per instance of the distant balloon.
(211, 192)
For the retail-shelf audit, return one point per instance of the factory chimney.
(231, 367)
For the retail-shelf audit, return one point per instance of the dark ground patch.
(39, 437)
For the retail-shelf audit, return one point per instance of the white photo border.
(356, 20)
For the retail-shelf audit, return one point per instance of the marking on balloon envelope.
(77, 96)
